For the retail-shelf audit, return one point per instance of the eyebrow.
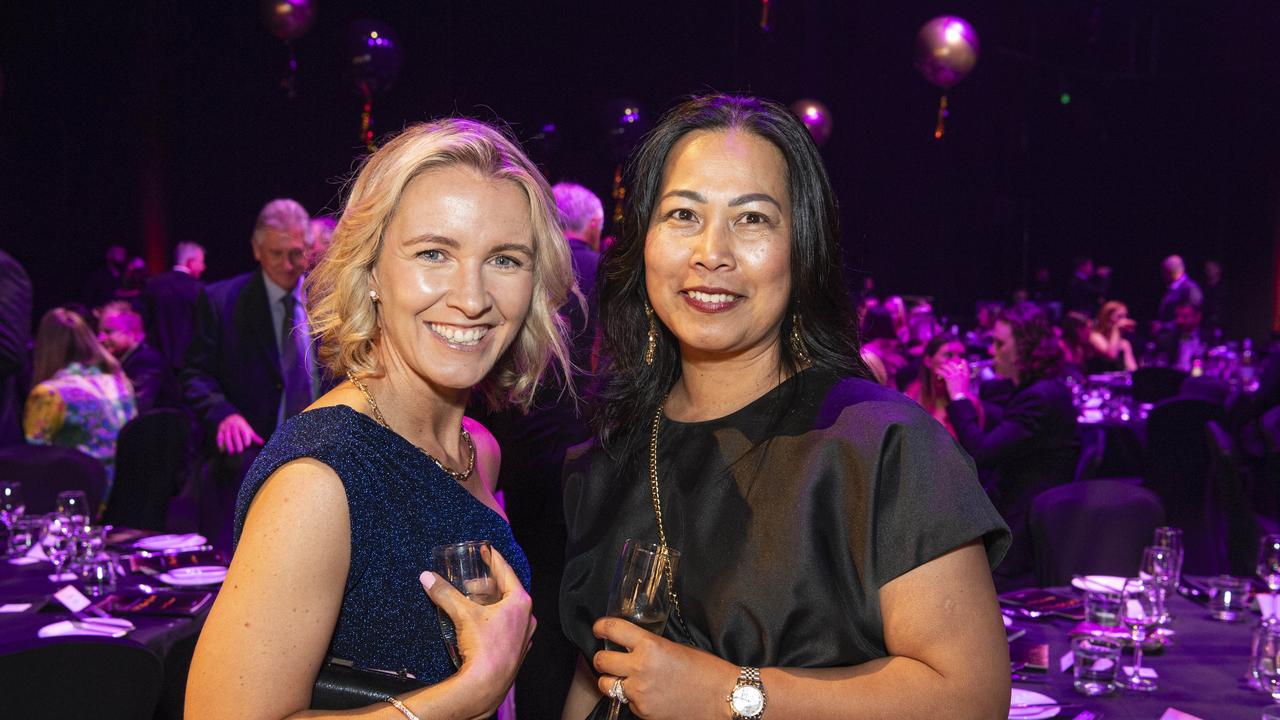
(513, 247)
(754, 197)
(691, 195)
(433, 238)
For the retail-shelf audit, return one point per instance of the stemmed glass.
(58, 543)
(641, 590)
(11, 506)
(1139, 611)
(1171, 537)
(1159, 566)
(1269, 568)
(1266, 658)
(74, 505)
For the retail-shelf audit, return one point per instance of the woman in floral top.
(81, 397)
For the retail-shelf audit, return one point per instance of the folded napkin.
(66, 628)
(1174, 714)
(171, 542)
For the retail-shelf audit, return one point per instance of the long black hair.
(630, 390)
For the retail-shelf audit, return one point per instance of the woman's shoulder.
(334, 427)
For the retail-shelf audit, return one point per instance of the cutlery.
(1028, 706)
(97, 628)
(1023, 678)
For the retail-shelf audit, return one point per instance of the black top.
(789, 514)
(401, 505)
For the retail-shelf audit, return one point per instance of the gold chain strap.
(657, 512)
(457, 475)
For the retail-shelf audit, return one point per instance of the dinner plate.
(1026, 697)
(1114, 583)
(195, 575)
(65, 629)
(171, 542)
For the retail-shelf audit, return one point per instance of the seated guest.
(1075, 329)
(881, 349)
(80, 397)
(320, 231)
(1112, 351)
(929, 389)
(120, 332)
(1033, 446)
(834, 540)
(169, 303)
(1182, 343)
(445, 274)
(897, 308)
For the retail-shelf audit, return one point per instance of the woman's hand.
(956, 377)
(492, 639)
(662, 679)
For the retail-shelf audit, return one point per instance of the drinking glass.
(1267, 660)
(1139, 612)
(641, 590)
(1159, 566)
(58, 544)
(11, 505)
(73, 504)
(465, 566)
(1102, 607)
(1171, 537)
(1094, 661)
(1228, 597)
(88, 543)
(23, 535)
(1269, 565)
(98, 575)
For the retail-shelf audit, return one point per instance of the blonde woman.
(1112, 350)
(444, 275)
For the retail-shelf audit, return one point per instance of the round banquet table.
(1200, 670)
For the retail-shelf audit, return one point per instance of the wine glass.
(1171, 537)
(11, 505)
(73, 504)
(465, 566)
(641, 590)
(1269, 568)
(1158, 567)
(1139, 611)
(58, 543)
(1266, 657)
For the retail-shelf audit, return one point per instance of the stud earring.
(653, 336)
(373, 295)
(798, 350)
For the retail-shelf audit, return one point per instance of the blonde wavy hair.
(342, 315)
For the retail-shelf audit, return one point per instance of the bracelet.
(403, 710)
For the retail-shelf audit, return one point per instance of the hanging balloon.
(816, 118)
(946, 51)
(373, 62)
(288, 19)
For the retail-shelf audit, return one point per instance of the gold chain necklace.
(657, 512)
(460, 476)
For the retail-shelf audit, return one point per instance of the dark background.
(146, 123)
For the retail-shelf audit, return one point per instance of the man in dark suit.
(169, 303)
(1181, 289)
(15, 337)
(249, 365)
(120, 332)
(533, 449)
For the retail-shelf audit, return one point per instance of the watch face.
(748, 701)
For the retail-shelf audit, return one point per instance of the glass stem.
(1137, 657)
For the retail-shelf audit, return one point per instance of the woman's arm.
(1130, 363)
(948, 657)
(1109, 345)
(270, 628)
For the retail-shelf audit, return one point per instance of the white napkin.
(1266, 603)
(171, 542)
(66, 628)
(37, 552)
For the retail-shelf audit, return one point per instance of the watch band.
(748, 695)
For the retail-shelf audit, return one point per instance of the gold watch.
(747, 698)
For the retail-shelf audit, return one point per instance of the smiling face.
(718, 249)
(455, 276)
(282, 255)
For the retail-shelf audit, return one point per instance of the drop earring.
(798, 350)
(653, 333)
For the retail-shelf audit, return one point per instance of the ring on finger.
(617, 692)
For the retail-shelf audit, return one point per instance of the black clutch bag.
(339, 686)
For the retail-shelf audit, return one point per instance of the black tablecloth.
(1201, 670)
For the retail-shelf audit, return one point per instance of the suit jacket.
(15, 337)
(1031, 448)
(169, 307)
(154, 384)
(1184, 291)
(233, 362)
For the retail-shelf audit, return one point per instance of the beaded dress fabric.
(401, 505)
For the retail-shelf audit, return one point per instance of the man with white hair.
(169, 303)
(120, 331)
(250, 365)
(1181, 290)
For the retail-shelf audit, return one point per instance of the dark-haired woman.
(929, 389)
(835, 543)
(1033, 446)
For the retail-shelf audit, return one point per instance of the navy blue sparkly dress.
(401, 505)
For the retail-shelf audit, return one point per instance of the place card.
(72, 599)
(1175, 714)
(1066, 661)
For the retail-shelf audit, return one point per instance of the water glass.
(1267, 660)
(74, 505)
(1094, 662)
(1228, 597)
(11, 505)
(1159, 566)
(1139, 611)
(23, 535)
(89, 542)
(98, 575)
(1171, 537)
(1102, 607)
(1269, 563)
(465, 566)
(58, 543)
